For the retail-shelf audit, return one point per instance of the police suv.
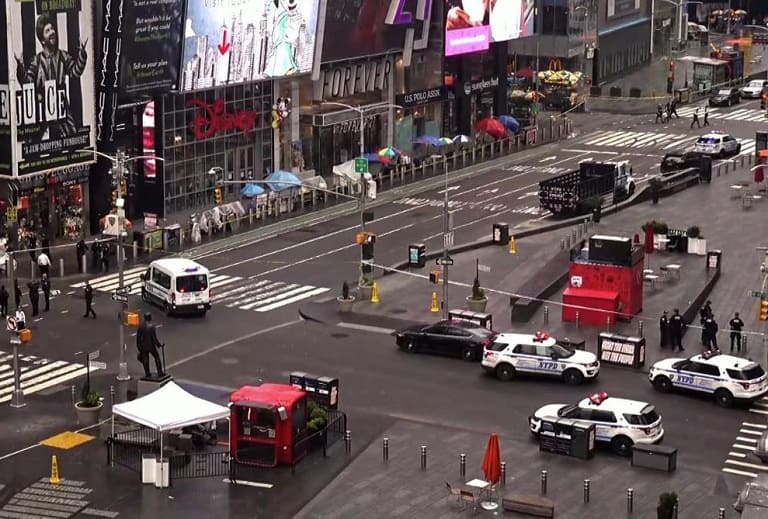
(511, 353)
(618, 421)
(717, 144)
(726, 377)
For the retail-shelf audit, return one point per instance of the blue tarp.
(282, 180)
(251, 190)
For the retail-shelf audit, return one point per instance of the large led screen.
(235, 41)
(471, 25)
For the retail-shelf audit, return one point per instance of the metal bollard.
(135, 249)
(721, 513)
(112, 394)
(423, 457)
(573, 235)
(546, 314)
(385, 449)
(640, 329)
(32, 268)
(567, 242)
(250, 213)
(579, 230)
(562, 244)
(83, 264)
(744, 345)
(586, 491)
(503, 477)
(578, 318)
(543, 482)
(74, 394)
(608, 324)
(348, 442)
(674, 510)
(61, 267)
(462, 465)
(630, 500)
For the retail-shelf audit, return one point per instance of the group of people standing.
(671, 329)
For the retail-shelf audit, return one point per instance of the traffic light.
(764, 309)
(219, 195)
(366, 240)
(114, 198)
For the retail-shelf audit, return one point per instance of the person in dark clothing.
(95, 256)
(104, 256)
(34, 297)
(676, 327)
(664, 330)
(673, 111)
(667, 112)
(89, 300)
(710, 333)
(735, 324)
(82, 249)
(704, 313)
(696, 119)
(706, 116)
(16, 293)
(147, 344)
(4, 295)
(659, 114)
(45, 284)
(32, 245)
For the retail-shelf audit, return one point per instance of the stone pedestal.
(148, 384)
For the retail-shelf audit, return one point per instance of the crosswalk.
(732, 114)
(257, 295)
(37, 373)
(660, 141)
(741, 460)
(760, 406)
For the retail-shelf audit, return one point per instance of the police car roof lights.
(598, 398)
(540, 336)
(191, 269)
(710, 353)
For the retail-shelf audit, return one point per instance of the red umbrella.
(527, 72)
(492, 460)
(492, 127)
(649, 238)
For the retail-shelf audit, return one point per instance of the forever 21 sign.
(421, 97)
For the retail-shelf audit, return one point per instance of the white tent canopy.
(170, 407)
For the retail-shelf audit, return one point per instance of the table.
(662, 244)
(483, 486)
(673, 269)
(652, 279)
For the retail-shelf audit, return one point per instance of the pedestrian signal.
(764, 310)
(219, 195)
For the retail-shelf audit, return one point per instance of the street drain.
(338, 335)
(399, 311)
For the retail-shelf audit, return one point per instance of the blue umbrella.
(282, 180)
(251, 190)
(427, 139)
(510, 122)
(372, 157)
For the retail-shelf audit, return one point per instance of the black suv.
(677, 160)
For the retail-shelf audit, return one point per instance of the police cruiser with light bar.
(726, 377)
(513, 353)
(618, 421)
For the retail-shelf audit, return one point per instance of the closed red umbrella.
(492, 127)
(648, 238)
(759, 174)
(492, 460)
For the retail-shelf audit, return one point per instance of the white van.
(177, 285)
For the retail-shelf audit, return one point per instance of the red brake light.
(488, 354)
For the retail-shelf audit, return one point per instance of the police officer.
(34, 296)
(16, 293)
(46, 286)
(710, 333)
(735, 324)
(4, 295)
(147, 344)
(89, 300)
(659, 114)
(664, 330)
(704, 313)
(676, 327)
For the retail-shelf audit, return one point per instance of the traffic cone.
(375, 293)
(435, 307)
(54, 470)
(512, 245)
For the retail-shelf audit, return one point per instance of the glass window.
(501, 346)
(709, 369)
(647, 416)
(161, 278)
(750, 372)
(599, 415)
(526, 349)
(194, 283)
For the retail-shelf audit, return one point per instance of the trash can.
(657, 457)
(327, 392)
(417, 255)
(148, 462)
(705, 168)
(501, 233)
(297, 379)
(572, 344)
(583, 440)
(714, 259)
(482, 319)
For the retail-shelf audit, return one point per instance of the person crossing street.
(44, 264)
(46, 286)
(696, 119)
(89, 300)
(16, 293)
(34, 297)
(706, 116)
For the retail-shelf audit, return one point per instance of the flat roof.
(703, 61)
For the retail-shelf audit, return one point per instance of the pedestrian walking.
(710, 333)
(676, 327)
(82, 249)
(104, 256)
(34, 297)
(696, 119)
(95, 256)
(4, 295)
(706, 116)
(89, 300)
(16, 293)
(673, 111)
(735, 324)
(44, 264)
(659, 114)
(45, 284)
(664, 330)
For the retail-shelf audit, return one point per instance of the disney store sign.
(422, 97)
(214, 118)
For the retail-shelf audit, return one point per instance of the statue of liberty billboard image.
(288, 37)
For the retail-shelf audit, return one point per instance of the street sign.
(361, 165)
(10, 323)
(126, 289)
(448, 239)
(752, 293)
(483, 268)
(120, 298)
(444, 261)
(97, 365)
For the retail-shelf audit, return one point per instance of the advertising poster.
(617, 8)
(151, 45)
(5, 99)
(51, 44)
(234, 41)
(471, 25)
(357, 28)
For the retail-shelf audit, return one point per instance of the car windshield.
(748, 372)
(724, 93)
(755, 84)
(709, 141)
(194, 283)
(647, 416)
(565, 411)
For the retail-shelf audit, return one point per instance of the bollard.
(385, 449)
(586, 491)
(423, 457)
(608, 324)
(567, 242)
(674, 510)
(135, 249)
(462, 465)
(348, 441)
(250, 213)
(578, 318)
(546, 314)
(721, 513)
(503, 477)
(61, 267)
(112, 394)
(32, 268)
(579, 230)
(573, 235)
(543, 482)
(640, 329)
(83, 264)
(630, 500)
(562, 244)
(74, 394)
(744, 344)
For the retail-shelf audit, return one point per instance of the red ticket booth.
(265, 422)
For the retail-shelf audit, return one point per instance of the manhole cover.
(399, 311)
(339, 335)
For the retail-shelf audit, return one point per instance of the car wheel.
(468, 354)
(573, 377)
(622, 445)
(738, 149)
(662, 384)
(409, 346)
(631, 189)
(721, 153)
(505, 372)
(724, 398)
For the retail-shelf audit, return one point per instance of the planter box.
(345, 305)
(476, 305)
(87, 416)
(365, 293)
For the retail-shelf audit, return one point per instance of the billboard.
(5, 99)
(471, 25)
(151, 46)
(236, 41)
(617, 8)
(358, 28)
(50, 48)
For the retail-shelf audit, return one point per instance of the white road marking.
(739, 472)
(367, 328)
(247, 483)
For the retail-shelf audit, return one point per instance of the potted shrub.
(666, 508)
(365, 288)
(478, 300)
(696, 242)
(660, 231)
(316, 423)
(345, 300)
(88, 408)
(656, 185)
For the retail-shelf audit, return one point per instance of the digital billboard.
(236, 41)
(50, 54)
(471, 25)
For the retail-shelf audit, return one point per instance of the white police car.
(618, 421)
(726, 377)
(717, 143)
(513, 353)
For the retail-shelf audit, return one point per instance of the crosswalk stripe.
(759, 426)
(110, 276)
(108, 286)
(758, 411)
(743, 447)
(748, 440)
(37, 374)
(235, 292)
(737, 454)
(305, 295)
(278, 297)
(763, 468)
(747, 431)
(738, 472)
(596, 136)
(264, 292)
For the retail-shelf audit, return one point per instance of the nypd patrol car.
(726, 377)
(513, 353)
(618, 421)
(717, 144)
